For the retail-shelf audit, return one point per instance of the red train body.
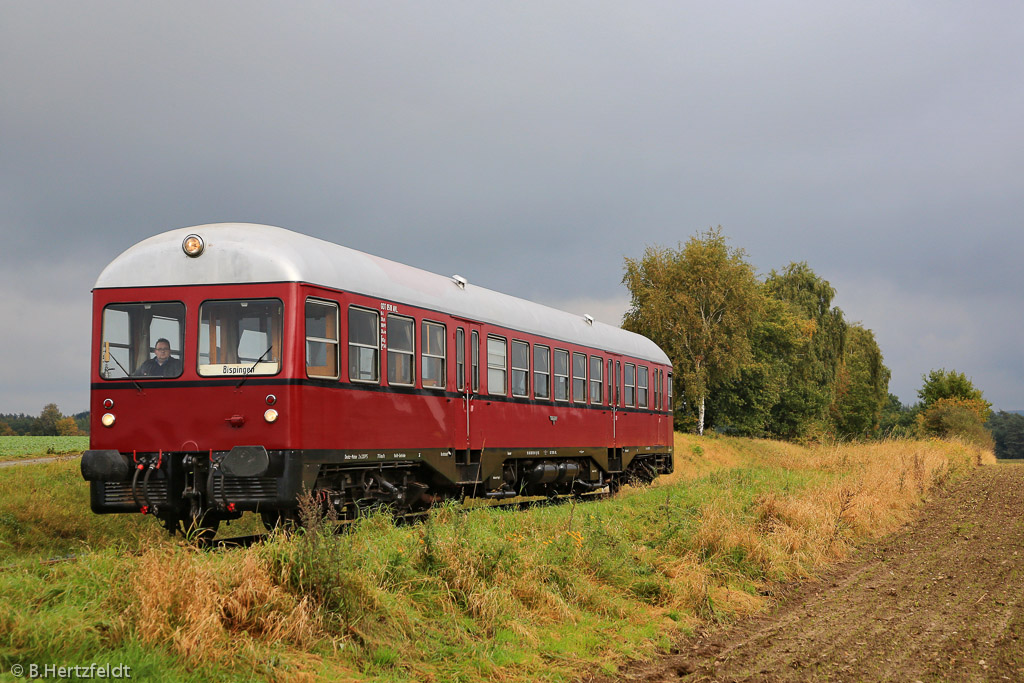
(294, 364)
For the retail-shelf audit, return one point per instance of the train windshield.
(240, 338)
(142, 340)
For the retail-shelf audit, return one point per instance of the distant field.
(23, 446)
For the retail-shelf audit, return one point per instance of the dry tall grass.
(872, 490)
(218, 609)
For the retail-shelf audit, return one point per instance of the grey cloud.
(530, 146)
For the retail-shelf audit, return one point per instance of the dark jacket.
(171, 368)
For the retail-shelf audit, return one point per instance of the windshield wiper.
(249, 371)
(126, 373)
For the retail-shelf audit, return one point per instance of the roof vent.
(588, 318)
(459, 280)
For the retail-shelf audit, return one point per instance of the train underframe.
(193, 492)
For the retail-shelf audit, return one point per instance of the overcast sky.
(530, 147)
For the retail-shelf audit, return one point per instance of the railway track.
(416, 517)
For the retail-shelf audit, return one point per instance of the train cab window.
(641, 386)
(629, 385)
(579, 377)
(497, 364)
(321, 339)
(474, 352)
(142, 340)
(520, 368)
(401, 350)
(541, 371)
(240, 338)
(596, 379)
(433, 363)
(460, 359)
(363, 345)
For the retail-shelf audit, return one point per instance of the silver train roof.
(248, 253)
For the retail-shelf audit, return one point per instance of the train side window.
(655, 378)
(520, 368)
(131, 333)
(460, 358)
(579, 377)
(474, 351)
(401, 350)
(433, 365)
(629, 384)
(641, 387)
(596, 379)
(541, 371)
(561, 375)
(363, 345)
(497, 365)
(668, 393)
(321, 339)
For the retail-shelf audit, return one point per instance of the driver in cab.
(161, 365)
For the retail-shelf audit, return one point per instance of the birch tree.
(698, 303)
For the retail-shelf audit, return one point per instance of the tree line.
(772, 357)
(50, 422)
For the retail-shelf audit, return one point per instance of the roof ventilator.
(460, 281)
(589, 319)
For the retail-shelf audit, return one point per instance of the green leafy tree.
(957, 417)
(744, 405)
(21, 424)
(898, 420)
(810, 386)
(940, 384)
(1008, 433)
(697, 303)
(46, 424)
(82, 420)
(862, 385)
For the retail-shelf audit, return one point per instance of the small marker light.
(193, 245)
(270, 415)
(108, 419)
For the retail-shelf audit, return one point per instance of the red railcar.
(236, 365)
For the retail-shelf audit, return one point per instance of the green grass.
(13, 447)
(546, 594)
(44, 512)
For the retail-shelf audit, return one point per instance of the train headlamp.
(108, 419)
(270, 415)
(193, 245)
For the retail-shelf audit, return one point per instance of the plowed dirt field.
(943, 600)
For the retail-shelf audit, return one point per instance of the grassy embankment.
(545, 594)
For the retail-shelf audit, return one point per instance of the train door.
(613, 397)
(467, 383)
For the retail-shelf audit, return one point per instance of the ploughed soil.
(942, 600)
